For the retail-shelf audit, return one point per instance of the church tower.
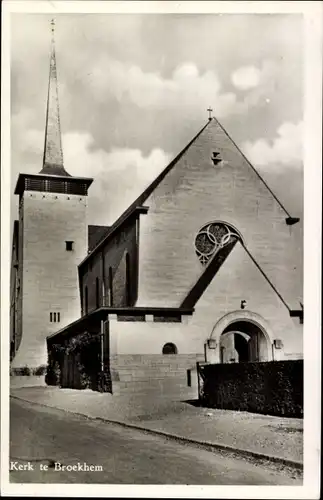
(50, 241)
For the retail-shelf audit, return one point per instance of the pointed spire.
(53, 153)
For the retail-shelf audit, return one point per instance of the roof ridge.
(147, 192)
(267, 278)
(207, 276)
(253, 168)
(210, 272)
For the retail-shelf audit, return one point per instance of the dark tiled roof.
(210, 272)
(52, 169)
(95, 235)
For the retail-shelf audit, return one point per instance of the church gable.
(240, 286)
(212, 180)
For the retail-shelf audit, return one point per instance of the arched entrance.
(243, 342)
(246, 334)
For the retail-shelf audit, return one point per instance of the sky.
(134, 89)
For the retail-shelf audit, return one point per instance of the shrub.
(274, 388)
(40, 370)
(23, 371)
(53, 373)
(104, 382)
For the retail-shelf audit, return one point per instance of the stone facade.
(196, 192)
(49, 274)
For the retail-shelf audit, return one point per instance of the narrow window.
(69, 245)
(128, 287)
(86, 300)
(169, 348)
(58, 317)
(54, 317)
(51, 317)
(189, 378)
(97, 293)
(110, 287)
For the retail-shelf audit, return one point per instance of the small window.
(216, 158)
(69, 245)
(54, 317)
(169, 348)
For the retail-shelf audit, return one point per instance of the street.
(52, 446)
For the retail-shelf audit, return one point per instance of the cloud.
(246, 77)
(119, 174)
(187, 91)
(286, 148)
(187, 88)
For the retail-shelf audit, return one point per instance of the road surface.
(52, 446)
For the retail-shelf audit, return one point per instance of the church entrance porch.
(240, 337)
(243, 342)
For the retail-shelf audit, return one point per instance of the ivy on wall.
(83, 354)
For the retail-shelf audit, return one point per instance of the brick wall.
(49, 272)
(113, 254)
(155, 375)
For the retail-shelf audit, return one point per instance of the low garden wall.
(272, 388)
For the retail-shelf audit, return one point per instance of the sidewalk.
(260, 434)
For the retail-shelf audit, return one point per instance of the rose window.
(211, 238)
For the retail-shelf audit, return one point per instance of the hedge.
(25, 371)
(272, 388)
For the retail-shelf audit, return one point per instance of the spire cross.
(209, 109)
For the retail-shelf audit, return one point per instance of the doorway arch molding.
(242, 315)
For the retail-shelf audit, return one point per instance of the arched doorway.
(242, 342)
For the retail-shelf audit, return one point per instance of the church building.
(204, 266)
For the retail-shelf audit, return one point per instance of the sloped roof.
(222, 135)
(144, 195)
(152, 186)
(213, 267)
(95, 235)
(53, 153)
(52, 169)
